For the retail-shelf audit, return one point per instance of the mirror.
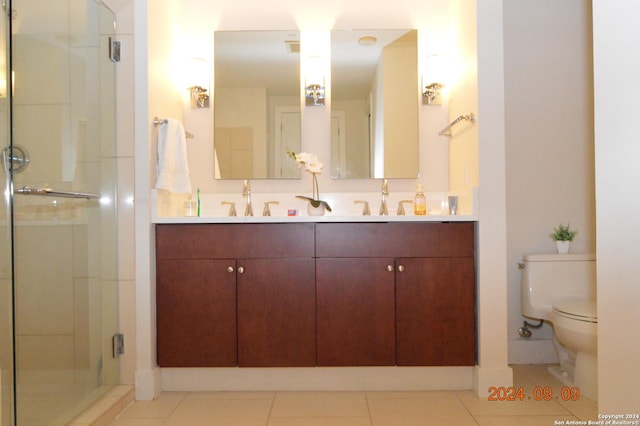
(374, 104)
(256, 104)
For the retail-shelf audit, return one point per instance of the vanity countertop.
(214, 210)
(317, 219)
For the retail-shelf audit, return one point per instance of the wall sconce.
(199, 97)
(314, 88)
(314, 93)
(431, 94)
(434, 73)
(200, 76)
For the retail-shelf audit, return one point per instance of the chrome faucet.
(246, 192)
(267, 211)
(401, 204)
(365, 208)
(232, 207)
(383, 205)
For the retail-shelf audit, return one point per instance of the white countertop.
(313, 219)
(344, 209)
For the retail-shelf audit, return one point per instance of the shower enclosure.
(58, 263)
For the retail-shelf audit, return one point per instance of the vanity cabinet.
(355, 312)
(235, 294)
(395, 294)
(307, 294)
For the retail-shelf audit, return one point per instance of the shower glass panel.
(63, 274)
(6, 297)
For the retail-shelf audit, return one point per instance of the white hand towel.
(173, 169)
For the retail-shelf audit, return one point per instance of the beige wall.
(617, 271)
(549, 142)
(201, 19)
(616, 33)
(463, 100)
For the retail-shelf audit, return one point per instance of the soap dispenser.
(419, 202)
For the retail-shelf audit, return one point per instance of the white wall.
(201, 19)
(430, 18)
(156, 30)
(549, 143)
(491, 235)
(617, 103)
(616, 171)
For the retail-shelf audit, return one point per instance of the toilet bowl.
(561, 290)
(575, 325)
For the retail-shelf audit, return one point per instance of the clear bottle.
(419, 202)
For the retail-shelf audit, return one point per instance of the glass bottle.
(419, 202)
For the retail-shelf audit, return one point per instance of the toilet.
(561, 289)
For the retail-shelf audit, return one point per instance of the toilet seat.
(576, 309)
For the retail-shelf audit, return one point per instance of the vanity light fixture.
(434, 73)
(199, 97)
(314, 93)
(431, 94)
(199, 75)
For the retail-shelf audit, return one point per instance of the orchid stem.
(316, 191)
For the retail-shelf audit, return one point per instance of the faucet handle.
(401, 204)
(246, 188)
(232, 208)
(266, 211)
(365, 208)
(385, 187)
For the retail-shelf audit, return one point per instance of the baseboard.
(317, 379)
(148, 384)
(106, 409)
(532, 351)
(485, 378)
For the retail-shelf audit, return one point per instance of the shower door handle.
(48, 192)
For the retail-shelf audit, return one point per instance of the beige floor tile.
(220, 412)
(230, 395)
(338, 421)
(138, 422)
(411, 394)
(419, 412)
(161, 407)
(531, 377)
(520, 420)
(320, 404)
(528, 406)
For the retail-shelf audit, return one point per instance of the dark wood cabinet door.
(196, 313)
(276, 312)
(356, 318)
(435, 311)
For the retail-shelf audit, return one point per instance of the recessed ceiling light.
(367, 41)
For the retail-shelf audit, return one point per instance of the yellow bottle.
(419, 202)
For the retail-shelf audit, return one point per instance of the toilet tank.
(547, 277)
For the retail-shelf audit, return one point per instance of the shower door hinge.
(118, 344)
(114, 50)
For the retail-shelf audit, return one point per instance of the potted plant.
(563, 235)
(316, 206)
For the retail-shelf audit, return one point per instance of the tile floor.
(459, 408)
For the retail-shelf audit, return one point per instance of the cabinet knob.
(401, 268)
(390, 268)
(240, 270)
(230, 269)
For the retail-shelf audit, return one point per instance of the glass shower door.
(63, 212)
(6, 288)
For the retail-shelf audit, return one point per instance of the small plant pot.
(563, 246)
(315, 211)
